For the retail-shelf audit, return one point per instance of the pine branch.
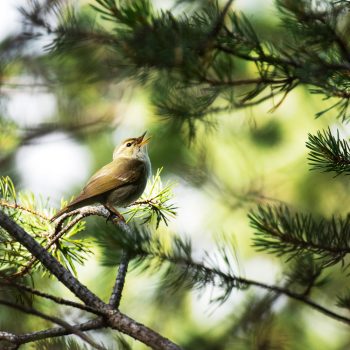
(181, 48)
(299, 297)
(49, 262)
(113, 318)
(344, 300)
(29, 212)
(182, 270)
(241, 282)
(218, 25)
(281, 232)
(329, 153)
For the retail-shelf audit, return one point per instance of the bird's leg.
(114, 211)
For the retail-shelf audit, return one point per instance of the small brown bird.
(120, 182)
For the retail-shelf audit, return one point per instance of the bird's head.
(132, 148)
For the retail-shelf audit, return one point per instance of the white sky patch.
(53, 166)
(133, 120)
(191, 203)
(163, 4)
(252, 5)
(262, 270)
(30, 108)
(10, 18)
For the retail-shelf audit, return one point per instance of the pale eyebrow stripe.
(129, 140)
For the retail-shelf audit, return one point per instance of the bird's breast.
(130, 192)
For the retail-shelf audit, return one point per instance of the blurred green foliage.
(236, 158)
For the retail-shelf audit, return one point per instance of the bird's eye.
(128, 144)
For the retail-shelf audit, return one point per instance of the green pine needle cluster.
(32, 214)
(329, 153)
(155, 204)
(280, 231)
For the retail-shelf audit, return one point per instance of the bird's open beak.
(142, 141)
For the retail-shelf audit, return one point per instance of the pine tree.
(198, 61)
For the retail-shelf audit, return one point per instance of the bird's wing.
(120, 172)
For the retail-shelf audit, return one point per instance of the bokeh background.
(53, 136)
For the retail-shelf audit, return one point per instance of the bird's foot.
(114, 214)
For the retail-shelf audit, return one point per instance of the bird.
(120, 182)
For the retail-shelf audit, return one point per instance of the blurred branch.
(210, 39)
(183, 269)
(248, 81)
(236, 281)
(263, 58)
(296, 296)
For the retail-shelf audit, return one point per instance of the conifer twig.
(21, 207)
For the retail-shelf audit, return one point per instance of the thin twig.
(57, 300)
(116, 295)
(205, 45)
(241, 82)
(94, 324)
(21, 207)
(277, 233)
(220, 20)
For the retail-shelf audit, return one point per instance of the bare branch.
(64, 324)
(94, 324)
(57, 300)
(8, 336)
(116, 295)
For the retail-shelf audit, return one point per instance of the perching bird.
(120, 182)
